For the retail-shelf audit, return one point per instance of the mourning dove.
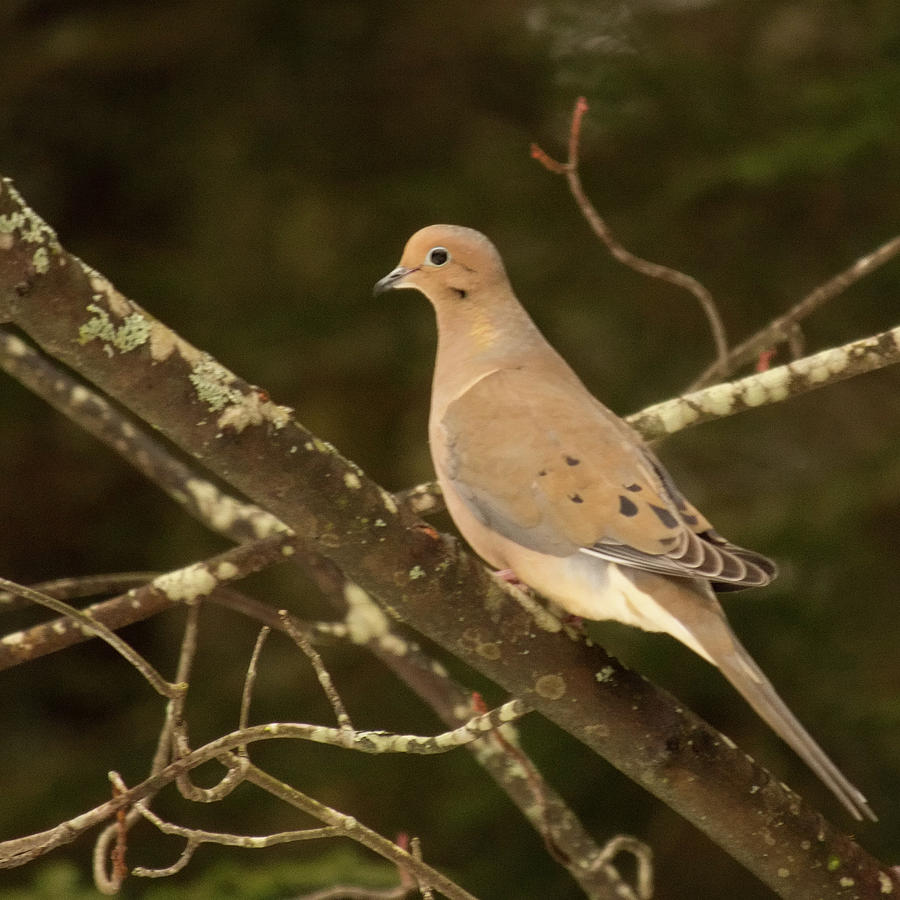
(543, 480)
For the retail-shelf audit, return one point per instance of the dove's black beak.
(392, 280)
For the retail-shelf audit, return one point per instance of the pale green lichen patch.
(826, 364)
(755, 394)
(676, 415)
(214, 385)
(222, 511)
(31, 227)
(390, 504)
(41, 261)
(80, 395)
(16, 347)
(365, 620)
(416, 572)
(131, 334)
(605, 675)
(16, 639)
(98, 327)
(351, 480)
(886, 885)
(719, 399)
(254, 410)
(775, 384)
(212, 382)
(225, 571)
(186, 584)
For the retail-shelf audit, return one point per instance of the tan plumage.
(542, 479)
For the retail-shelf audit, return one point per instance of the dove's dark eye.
(438, 256)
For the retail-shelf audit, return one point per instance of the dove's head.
(448, 263)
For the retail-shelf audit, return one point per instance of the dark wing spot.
(542, 473)
(576, 498)
(571, 461)
(668, 541)
(689, 519)
(633, 487)
(460, 293)
(665, 516)
(627, 507)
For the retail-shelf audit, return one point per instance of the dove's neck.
(475, 339)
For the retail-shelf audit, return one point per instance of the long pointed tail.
(740, 669)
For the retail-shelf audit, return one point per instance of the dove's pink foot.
(508, 576)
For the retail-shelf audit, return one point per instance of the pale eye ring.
(438, 256)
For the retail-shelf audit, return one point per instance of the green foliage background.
(246, 171)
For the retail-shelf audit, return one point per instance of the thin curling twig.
(624, 256)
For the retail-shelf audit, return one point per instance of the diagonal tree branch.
(588, 863)
(238, 433)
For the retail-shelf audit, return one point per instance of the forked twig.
(784, 328)
(653, 270)
(322, 673)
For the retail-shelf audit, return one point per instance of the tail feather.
(750, 681)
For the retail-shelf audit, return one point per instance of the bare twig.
(176, 724)
(163, 592)
(322, 674)
(250, 681)
(80, 586)
(354, 892)
(415, 848)
(770, 386)
(195, 837)
(360, 833)
(19, 851)
(85, 622)
(784, 328)
(652, 270)
(643, 858)
(187, 652)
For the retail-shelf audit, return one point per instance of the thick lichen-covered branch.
(418, 575)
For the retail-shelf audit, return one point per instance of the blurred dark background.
(246, 171)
